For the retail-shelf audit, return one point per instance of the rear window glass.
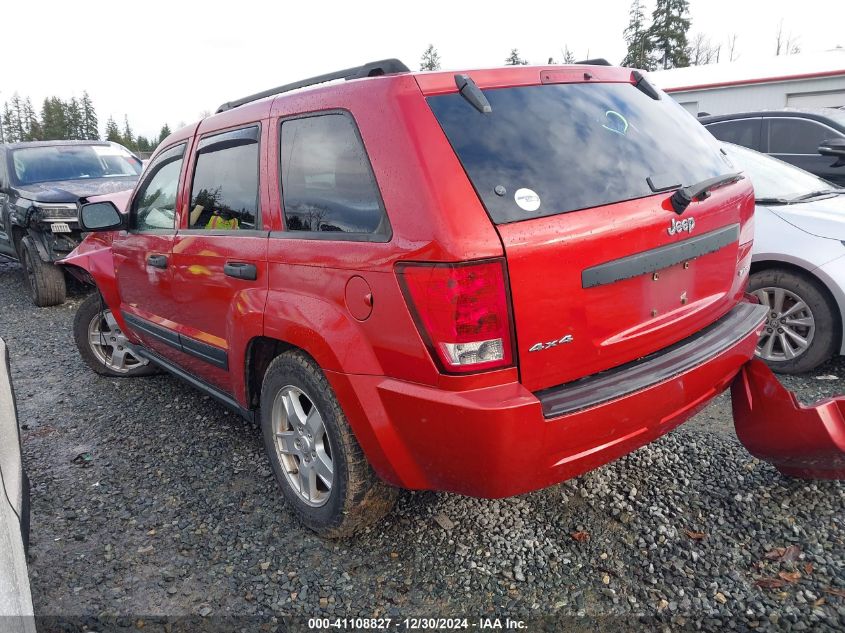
(552, 149)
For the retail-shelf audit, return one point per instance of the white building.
(805, 80)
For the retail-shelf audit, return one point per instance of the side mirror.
(834, 147)
(100, 216)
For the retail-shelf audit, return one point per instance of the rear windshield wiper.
(472, 93)
(771, 201)
(816, 194)
(682, 198)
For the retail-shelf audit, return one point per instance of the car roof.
(830, 116)
(429, 82)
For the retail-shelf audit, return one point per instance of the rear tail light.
(462, 312)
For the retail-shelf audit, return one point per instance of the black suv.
(812, 139)
(40, 185)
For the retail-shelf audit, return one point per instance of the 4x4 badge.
(678, 226)
(538, 347)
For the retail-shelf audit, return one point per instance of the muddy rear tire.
(315, 457)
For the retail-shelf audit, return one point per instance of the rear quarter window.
(552, 149)
(328, 187)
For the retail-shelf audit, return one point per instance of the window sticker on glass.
(615, 122)
(527, 199)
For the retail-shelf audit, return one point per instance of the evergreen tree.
(9, 127)
(668, 33)
(113, 132)
(164, 133)
(128, 137)
(568, 56)
(90, 125)
(637, 38)
(73, 116)
(17, 126)
(31, 123)
(142, 144)
(514, 59)
(430, 59)
(54, 119)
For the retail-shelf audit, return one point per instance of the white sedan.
(798, 261)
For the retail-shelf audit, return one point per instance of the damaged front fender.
(93, 262)
(801, 441)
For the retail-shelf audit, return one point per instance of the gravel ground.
(172, 509)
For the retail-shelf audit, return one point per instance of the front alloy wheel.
(102, 344)
(790, 325)
(803, 326)
(110, 345)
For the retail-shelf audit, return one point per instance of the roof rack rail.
(598, 61)
(372, 69)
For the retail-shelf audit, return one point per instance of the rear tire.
(101, 343)
(315, 457)
(45, 280)
(800, 310)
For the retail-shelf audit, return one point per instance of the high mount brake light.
(462, 312)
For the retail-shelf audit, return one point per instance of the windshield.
(557, 148)
(72, 162)
(773, 179)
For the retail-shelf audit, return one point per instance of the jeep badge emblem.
(678, 226)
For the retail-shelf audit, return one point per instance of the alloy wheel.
(110, 345)
(303, 446)
(790, 325)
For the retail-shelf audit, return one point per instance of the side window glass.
(224, 195)
(737, 132)
(327, 181)
(154, 207)
(796, 136)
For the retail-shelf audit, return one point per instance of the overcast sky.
(170, 61)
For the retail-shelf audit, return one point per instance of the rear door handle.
(241, 270)
(157, 261)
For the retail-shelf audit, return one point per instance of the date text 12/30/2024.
(415, 624)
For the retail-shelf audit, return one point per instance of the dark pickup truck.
(40, 185)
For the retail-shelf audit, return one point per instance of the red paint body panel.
(801, 441)
(615, 323)
(424, 431)
(412, 420)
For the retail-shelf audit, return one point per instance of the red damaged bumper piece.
(801, 441)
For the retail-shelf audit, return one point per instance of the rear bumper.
(801, 441)
(498, 441)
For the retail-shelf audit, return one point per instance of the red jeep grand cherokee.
(485, 282)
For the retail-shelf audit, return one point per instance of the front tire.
(315, 457)
(102, 344)
(45, 280)
(802, 325)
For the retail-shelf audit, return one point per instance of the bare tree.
(787, 44)
(732, 54)
(702, 51)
